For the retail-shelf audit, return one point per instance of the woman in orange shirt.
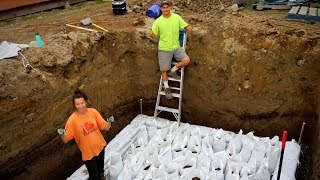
(84, 126)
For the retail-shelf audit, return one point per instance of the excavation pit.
(247, 72)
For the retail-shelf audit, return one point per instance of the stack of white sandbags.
(160, 149)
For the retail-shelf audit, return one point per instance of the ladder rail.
(158, 99)
(181, 92)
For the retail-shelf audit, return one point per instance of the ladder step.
(173, 94)
(175, 88)
(173, 79)
(161, 108)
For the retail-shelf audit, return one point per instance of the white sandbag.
(140, 142)
(152, 130)
(265, 141)
(154, 160)
(204, 163)
(238, 141)
(273, 159)
(275, 141)
(157, 138)
(247, 170)
(290, 160)
(172, 169)
(192, 174)
(153, 148)
(177, 153)
(167, 141)
(165, 155)
(126, 174)
(213, 132)
(228, 136)
(214, 175)
(232, 174)
(219, 161)
(195, 131)
(245, 153)
(231, 149)
(208, 140)
(263, 172)
(184, 129)
(194, 144)
(161, 123)
(206, 150)
(244, 178)
(115, 165)
(190, 156)
(137, 162)
(205, 131)
(174, 128)
(130, 152)
(158, 174)
(179, 142)
(189, 164)
(164, 149)
(144, 173)
(232, 169)
(149, 174)
(142, 136)
(179, 159)
(251, 137)
(218, 165)
(219, 142)
(258, 153)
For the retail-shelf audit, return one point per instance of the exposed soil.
(250, 70)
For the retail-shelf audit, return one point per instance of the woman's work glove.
(61, 131)
(110, 119)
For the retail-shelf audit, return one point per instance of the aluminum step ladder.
(178, 90)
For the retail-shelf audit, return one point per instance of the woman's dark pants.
(95, 166)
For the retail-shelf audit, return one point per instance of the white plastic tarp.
(8, 50)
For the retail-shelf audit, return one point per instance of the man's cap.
(165, 2)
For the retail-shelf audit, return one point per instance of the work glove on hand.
(61, 131)
(110, 119)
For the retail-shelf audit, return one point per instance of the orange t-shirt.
(85, 130)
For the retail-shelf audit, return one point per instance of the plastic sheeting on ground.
(8, 50)
(151, 148)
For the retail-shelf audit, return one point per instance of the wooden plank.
(313, 15)
(312, 11)
(294, 10)
(303, 10)
(271, 6)
(304, 13)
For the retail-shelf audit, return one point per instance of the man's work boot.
(167, 93)
(173, 74)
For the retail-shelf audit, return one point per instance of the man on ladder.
(167, 27)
